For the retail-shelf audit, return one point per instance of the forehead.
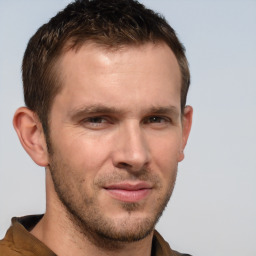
(124, 75)
(94, 56)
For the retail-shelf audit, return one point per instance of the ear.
(186, 127)
(31, 136)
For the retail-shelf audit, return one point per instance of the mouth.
(128, 192)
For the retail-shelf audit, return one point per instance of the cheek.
(84, 153)
(166, 151)
(165, 157)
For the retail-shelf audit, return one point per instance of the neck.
(64, 237)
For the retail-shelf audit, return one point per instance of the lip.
(128, 192)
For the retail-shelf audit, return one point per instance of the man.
(105, 85)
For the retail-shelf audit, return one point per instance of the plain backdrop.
(213, 209)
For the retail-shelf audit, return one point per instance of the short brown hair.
(111, 23)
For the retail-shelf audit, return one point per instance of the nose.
(131, 148)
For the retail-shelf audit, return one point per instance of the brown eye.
(96, 120)
(157, 119)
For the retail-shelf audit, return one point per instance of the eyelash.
(102, 121)
(96, 118)
(163, 119)
(96, 121)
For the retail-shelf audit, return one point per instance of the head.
(111, 24)
(105, 84)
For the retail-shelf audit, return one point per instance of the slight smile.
(128, 192)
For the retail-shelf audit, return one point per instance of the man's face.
(116, 136)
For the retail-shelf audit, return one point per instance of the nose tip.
(132, 151)
(132, 161)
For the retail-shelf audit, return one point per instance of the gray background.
(213, 209)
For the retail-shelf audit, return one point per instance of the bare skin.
(117, 135)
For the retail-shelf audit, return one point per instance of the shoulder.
(7, 246)
(180, 254)
(5, 250)
(161, 247)
(19, 242)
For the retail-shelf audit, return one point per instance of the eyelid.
(166, 119)
(104, 122)
(90, 119)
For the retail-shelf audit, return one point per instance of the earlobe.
(186, 127)
(31, 136)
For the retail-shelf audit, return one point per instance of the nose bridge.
(132, 149)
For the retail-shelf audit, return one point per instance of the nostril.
(124, 165)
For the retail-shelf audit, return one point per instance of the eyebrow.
(171, 110)
(98, 109)
(93, 109)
